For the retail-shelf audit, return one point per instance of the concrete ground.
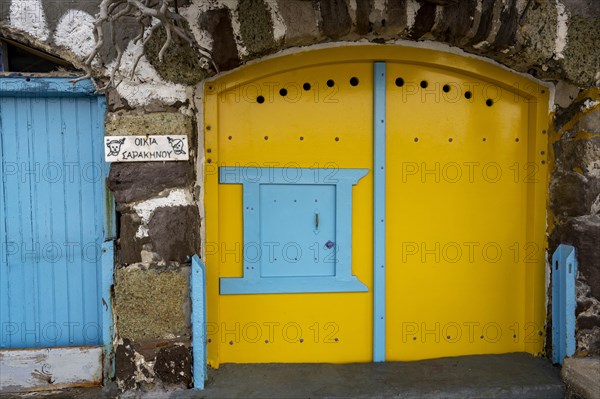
(582, 376)
(516, 375)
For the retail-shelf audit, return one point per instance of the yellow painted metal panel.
(322, 127)
(428, 204)
(460, 212)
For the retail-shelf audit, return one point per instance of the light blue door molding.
(297, 230)
(564, 302)
(198, 293)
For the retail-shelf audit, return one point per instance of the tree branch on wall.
(150, 15)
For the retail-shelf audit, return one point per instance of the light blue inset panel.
(198, 294)
(379, 213)
(564, 272)
(297, 230)
(298, 246)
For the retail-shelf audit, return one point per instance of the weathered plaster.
(138, 123)
(150, 303)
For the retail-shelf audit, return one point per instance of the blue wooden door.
(52, 215)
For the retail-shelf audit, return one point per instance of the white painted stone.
(412, 7)
(562, 29)
(176, 197)
(29, 16)
(75, 31)
(279, 26)
(142, 232)
(158, 148)
(146, 86)
(49, 368)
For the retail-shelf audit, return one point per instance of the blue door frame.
(74, 109)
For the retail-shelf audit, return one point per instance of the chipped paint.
(50, 368)
(176, 197)
(75, 32)
(562, 29)
(142, 232)
(589, 104)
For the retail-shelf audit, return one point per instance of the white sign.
(146, 148)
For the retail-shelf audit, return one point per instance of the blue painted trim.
(45, 87)
(379, 260)
(254, 175)
(290, 285)
(252, 178)
(108, 264)
(198, 293)
(564, 272)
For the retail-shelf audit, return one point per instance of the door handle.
(316, 220)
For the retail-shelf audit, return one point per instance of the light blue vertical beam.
(198, 293)
(4, 319)
(564, 272)
(108, 262)
(379, 213)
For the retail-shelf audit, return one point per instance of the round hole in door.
(468, 95)
(283, 92)
(354, 81)
(489, 102)
(260, 99)
(399, 82)
(330, 83)
(306, 86)
(446, 88)
(424, 84)
(416, 139)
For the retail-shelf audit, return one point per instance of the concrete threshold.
(515, 375)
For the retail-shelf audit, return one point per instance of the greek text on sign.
(146, 148)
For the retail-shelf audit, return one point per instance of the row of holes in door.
(416, 139)
(354, 82)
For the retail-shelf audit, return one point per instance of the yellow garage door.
(360, 209)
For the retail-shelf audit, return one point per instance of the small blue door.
(52, 213)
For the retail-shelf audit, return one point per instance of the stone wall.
(157, 203)
(575, 205)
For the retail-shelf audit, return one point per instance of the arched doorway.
(374, 203)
